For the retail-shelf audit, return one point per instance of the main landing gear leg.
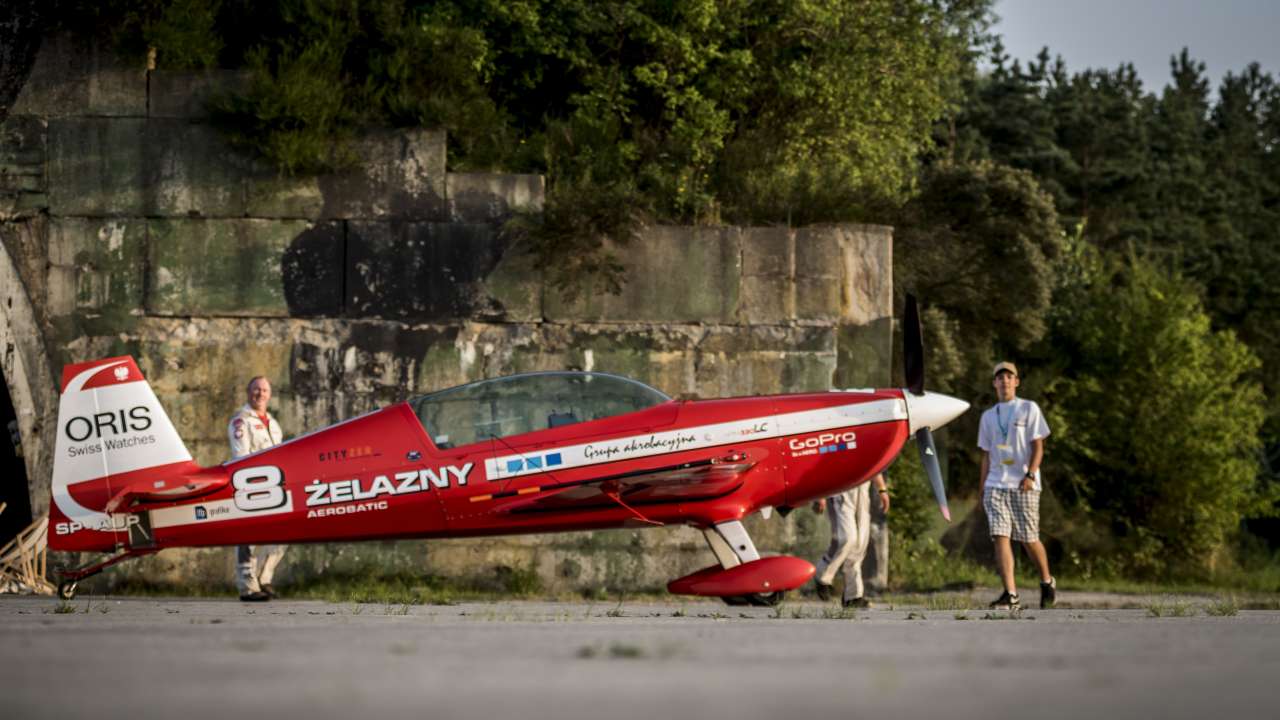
(732, 546)
(71, 578)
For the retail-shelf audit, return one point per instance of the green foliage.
(912, 506)
(291, 112)
(692, 111)
(1176, 174)
(925, 566)
(185, 29)
(1156, 417)
(979, 246)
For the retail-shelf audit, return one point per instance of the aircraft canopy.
(524, 403)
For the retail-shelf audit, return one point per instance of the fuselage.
(384, 475)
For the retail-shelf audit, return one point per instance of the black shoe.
(823, 591)
(1006, 601)
(859, 603)
(255, 596)
(270, 591)
(1048, 593)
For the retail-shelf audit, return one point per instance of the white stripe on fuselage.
(695, 438)
(213, 511)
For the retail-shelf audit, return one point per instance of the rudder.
(113, 435)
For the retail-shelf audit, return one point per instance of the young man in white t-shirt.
(1012, 434)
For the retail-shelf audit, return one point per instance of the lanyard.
(1004, 426)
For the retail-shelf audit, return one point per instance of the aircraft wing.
(686, 481)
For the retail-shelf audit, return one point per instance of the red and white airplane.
(532, 453)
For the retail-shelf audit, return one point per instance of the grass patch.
(948, 601)
(1170, 609)
(62, 608)
(1225, 607)
(839, 613)
(404, 588)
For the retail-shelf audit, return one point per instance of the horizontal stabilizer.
(153, 494)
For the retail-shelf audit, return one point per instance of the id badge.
(1006, 453)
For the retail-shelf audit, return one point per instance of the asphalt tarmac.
(173, 658)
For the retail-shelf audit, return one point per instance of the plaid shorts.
(1013, 513)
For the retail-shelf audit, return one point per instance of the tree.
(978, 246)
(1155, 416)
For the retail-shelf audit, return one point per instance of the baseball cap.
(1005, 365)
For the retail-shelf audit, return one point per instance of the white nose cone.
(931, 410)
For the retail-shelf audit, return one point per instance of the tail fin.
(112, 436)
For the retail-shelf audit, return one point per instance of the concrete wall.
(131, 227)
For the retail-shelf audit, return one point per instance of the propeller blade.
(929, 458)
(912, 347)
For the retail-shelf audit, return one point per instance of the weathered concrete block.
(401, 176)
(97, 166)
(768, 289)
(515, 283)
(768, 251)
(71, 78)
(675, 274)
(654, 356)
(762, 373)
(732, 339)
(271, 194)
(866, 254)
(423, 271)
(22, 151)
(864, 355)
(22, 166)
(186, 94)
(241, 267)
(192, 172)
(492, 197)
(817, 273)
(95, 267)
(767, 300)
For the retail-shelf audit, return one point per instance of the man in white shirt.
(850, 515)
(252, 429)
(1012, 434)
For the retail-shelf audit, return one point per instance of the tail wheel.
(67, 589)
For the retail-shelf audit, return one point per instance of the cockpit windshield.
(523, 403)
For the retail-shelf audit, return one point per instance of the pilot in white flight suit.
(252, 429)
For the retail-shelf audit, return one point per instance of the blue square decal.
(823, 450)
(515, 465)
(553, 459)
(842, 446)
(534, 463)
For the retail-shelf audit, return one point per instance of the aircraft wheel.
(766, 599)
(67, 589)
(756, 599)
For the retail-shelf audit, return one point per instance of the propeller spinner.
(925, 410)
